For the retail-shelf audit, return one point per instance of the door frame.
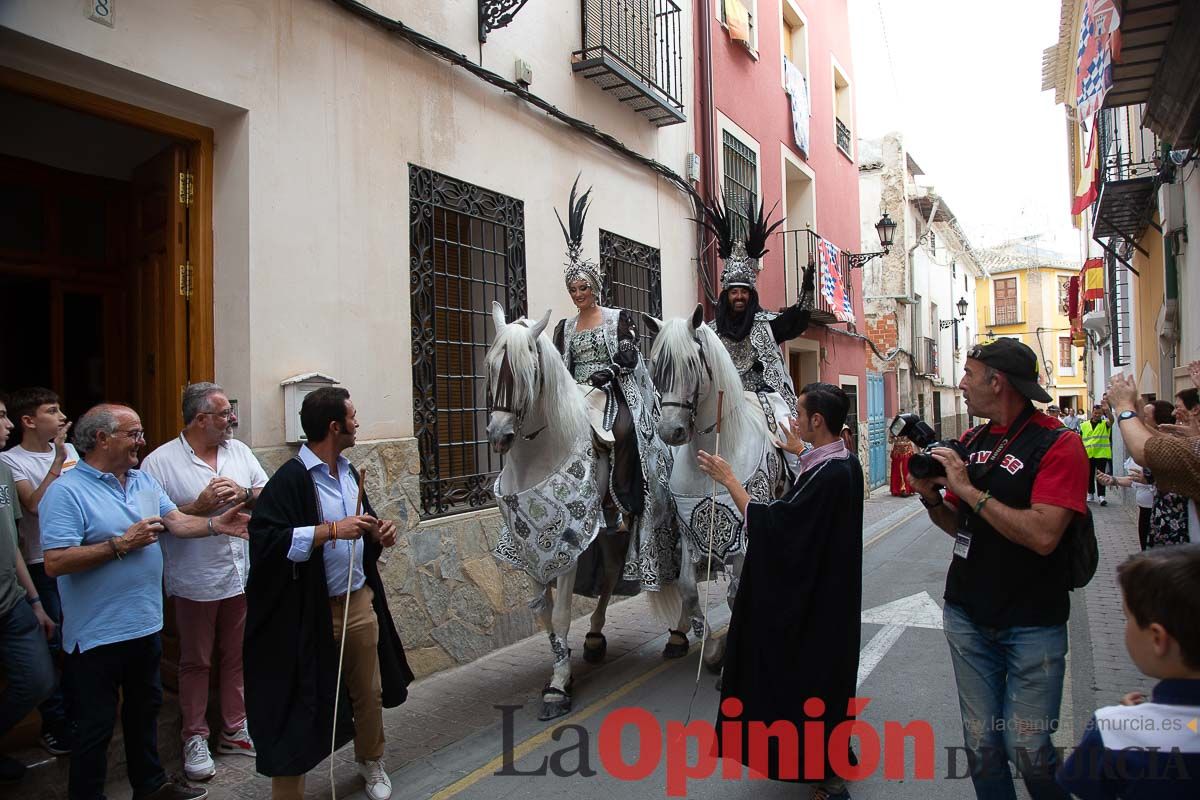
(199, 141)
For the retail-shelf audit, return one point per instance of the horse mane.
(562, 404)
(676, 358)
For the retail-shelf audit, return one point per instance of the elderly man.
(1007, 507)
(100, 527)
(204, 471)
(312, 585)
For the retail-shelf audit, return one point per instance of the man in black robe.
(794, 634)
(301, 562)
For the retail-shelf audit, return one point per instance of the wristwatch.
(931, 505)
(1124, 415)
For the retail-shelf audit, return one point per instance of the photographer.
(1006, 593)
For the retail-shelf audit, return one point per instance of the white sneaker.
(197, 761)
(237, 743)
(1091, 499)
(379, 785)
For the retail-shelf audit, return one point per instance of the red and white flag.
(833, 287)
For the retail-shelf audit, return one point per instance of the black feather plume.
(577, 209)
(717, 221)
(760, 230)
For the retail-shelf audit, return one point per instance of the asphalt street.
(906, 674)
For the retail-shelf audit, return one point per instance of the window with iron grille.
(632, 279)
(1064, 294)
(741, 181)
(467, 249)
(1065, 363)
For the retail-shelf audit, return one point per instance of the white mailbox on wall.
(295, 389)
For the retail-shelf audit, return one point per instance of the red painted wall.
(750, 93)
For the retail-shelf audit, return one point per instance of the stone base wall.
(451, 600)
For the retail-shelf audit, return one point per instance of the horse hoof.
(555, 703)
(676, 649)
(594, 655)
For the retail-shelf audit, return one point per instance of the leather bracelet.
(116, 550)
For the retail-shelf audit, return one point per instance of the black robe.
(794, 633)
(289, 654)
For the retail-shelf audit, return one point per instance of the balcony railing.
(633, 49)
(800, 248)
(1007, 314)
(927, 356)
(843, 136)
(1129, 176)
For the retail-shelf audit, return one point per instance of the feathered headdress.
(577, 267)
(742, 256)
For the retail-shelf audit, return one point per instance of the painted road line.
(538, 739)
(888, 524)
(915, 611)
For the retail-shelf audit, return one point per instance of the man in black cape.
(794, 634)
(300, 566)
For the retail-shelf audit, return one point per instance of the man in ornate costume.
(600, 348)
(751, 335)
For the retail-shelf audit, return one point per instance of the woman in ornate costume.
(600, 348)
(902, 451)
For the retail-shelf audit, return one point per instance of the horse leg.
(613, 547)
(714, 650)
(677, 644)
(556, 697)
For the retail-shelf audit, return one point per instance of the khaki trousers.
(360, 675)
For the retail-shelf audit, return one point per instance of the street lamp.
(962, 307)
(886, 229)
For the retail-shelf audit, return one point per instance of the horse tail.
(666, 604)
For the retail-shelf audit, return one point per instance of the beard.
(734, 324)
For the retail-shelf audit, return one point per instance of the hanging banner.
(1092, 278)
(833, 285)
(1088, 188)
(1099, 46)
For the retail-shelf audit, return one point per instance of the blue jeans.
(94, 680)
(1009, 690)
(54, 708)
(25, 660)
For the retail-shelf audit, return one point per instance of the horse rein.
(518, 413)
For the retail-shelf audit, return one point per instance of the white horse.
(551, 487)
(691, 370)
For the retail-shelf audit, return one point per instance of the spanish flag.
(1089, 184)
(1092, 279)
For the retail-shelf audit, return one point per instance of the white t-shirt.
(210, 567)
(1143, 492)
(26, 465)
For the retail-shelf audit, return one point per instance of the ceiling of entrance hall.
(59, 137)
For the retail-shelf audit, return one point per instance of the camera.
(923, 464)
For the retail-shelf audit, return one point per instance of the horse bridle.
(690, 407)
(518, 413)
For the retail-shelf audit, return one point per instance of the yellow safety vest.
(1097, 439)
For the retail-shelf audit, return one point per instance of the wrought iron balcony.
(843, 136)
(1129, 177)
(801, 248)
(633, 49)
(927, 356)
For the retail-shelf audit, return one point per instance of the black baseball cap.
(1018, 363)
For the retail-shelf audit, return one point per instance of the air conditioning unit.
(1170, 201)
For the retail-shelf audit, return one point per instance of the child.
(36, 462)
(1150, 748)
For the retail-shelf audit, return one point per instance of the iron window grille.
(1119, 312)
(632, 280)
(842, 132)
(467, 248)
(741, 181)
(852, 413)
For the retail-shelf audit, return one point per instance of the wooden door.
(161, 282)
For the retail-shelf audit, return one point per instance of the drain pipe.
(705, 249)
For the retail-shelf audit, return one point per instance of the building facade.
(252, 192)
(1132, 142)
(750, 53)
(919, 298)
(1025, 295)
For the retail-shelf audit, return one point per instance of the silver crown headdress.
(577, 267)
(743, 257)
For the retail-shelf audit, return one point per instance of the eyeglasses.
(226, 415)
(136, 435)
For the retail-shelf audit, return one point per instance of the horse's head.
(514, 376)
(682, 374)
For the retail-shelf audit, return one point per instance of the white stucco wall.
(316, 116)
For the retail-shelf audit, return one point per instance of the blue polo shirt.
(121, 599)
(1149, 751)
